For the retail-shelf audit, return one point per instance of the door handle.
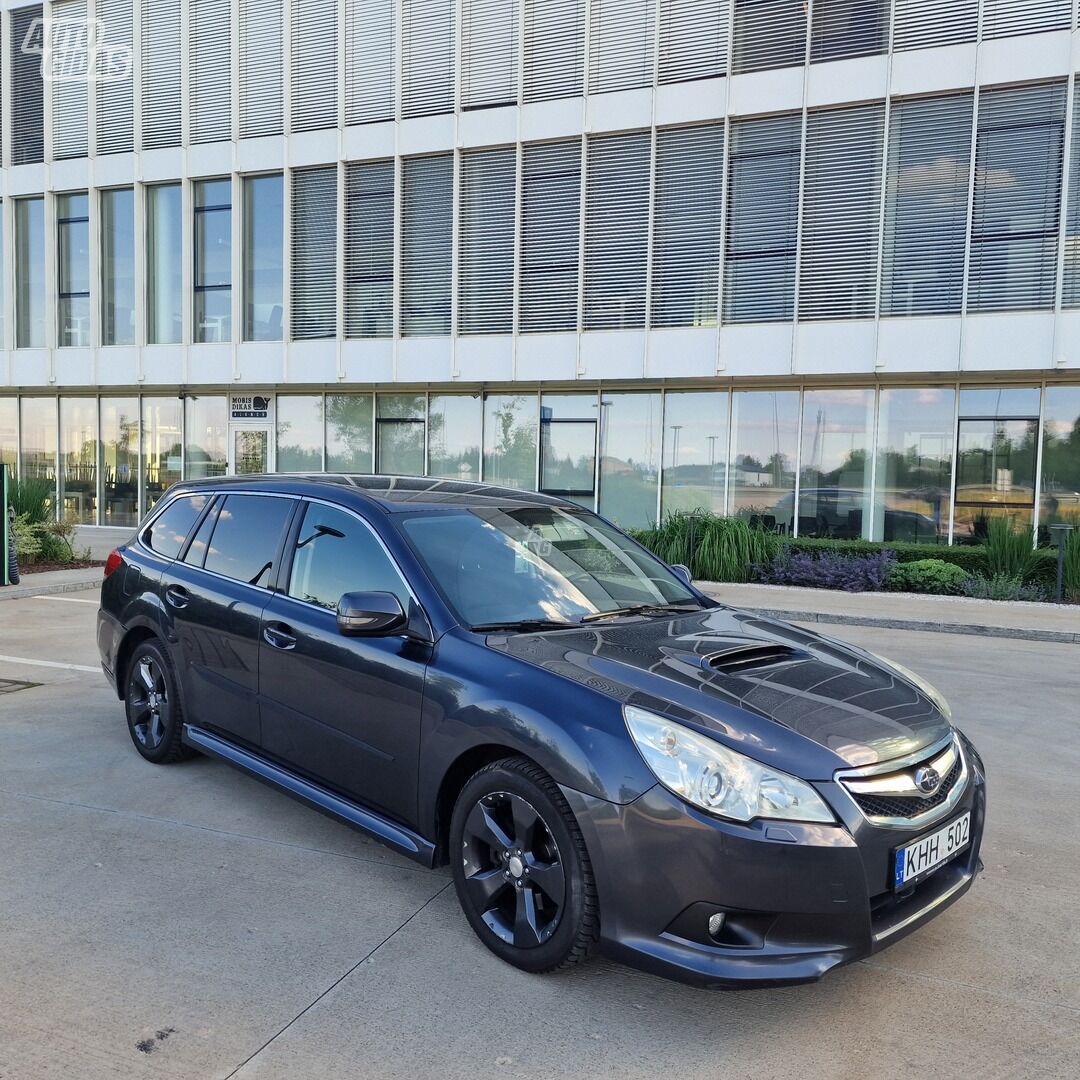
(279, 636)
(177, 596)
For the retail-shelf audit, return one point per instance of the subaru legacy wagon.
(504, 682)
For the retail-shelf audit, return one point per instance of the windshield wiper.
(642, 609)
(524, 625)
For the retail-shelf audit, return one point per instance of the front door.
(345, 711)
(250, 450)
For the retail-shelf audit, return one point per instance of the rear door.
(213, 601)
(344, 711)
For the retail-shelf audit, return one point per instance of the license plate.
(916, 860)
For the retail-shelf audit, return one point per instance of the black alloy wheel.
(521, 869)
(153, 709)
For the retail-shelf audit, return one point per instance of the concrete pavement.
(187, 922)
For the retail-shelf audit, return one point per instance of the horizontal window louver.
(160, 74)
(1014, 224)
(926, 205)
(314, 73)
(486, 247)
(489, 48)
(68, 66)
(550, 237)
(762, 219)
(924, 24)
(427, 57)
(210, 56)
(115, 86)
(369, 61)
(843, 29)
(769, 34)
(369, 249)
(686, 226)
(27, 91)
(693, 39)
(262, 81)
(621, 44)
(616, 231)
(314, 253)
(1009, 18)
(427, 211)
(554, 49)
(841, 218)
(1071, 283)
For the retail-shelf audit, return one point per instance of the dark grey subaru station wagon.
(504, 682)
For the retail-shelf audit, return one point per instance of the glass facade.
(300, 433)
(264, 241)
(695, 452)
(206, 440)
(400, 434)
(568, 446)
(764, 450)
(631, 436)
(120, 461)
(9, 434)
(118, 267)
(1061, 457)
(73, 264)
(213, 261)
(454, 426)
(164, 274)
(350, 433)
(510, 426)
(162, 443)
(30, 273)
(79, 459)
(38, 432)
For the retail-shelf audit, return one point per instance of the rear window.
(167, 532)
(247, 537)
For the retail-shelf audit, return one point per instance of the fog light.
(716, 924)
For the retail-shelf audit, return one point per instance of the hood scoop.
(749, 655)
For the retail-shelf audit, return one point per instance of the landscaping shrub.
(1072, 567)
(715, 548)
(829, 570)
(1009, 551)
(1003, 587)
(32, 498)
(929, 576)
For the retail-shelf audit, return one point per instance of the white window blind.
(369, 61)
(486, 246)
(841, 213)
(115, 96)
(686, 225)
(769, 34)
(843, 29)
(554, 49)
(693, 39)
(427, 57)
(27, 90)
(923, 24)
(160, 73)
(314, 253)
(70, 57)
(314, 73)
(616, 231)
(427, 212)
(762, 219)
(621, 40)
(1071, 284)
(211, 82)
(1007, 18)
(550, 237)
(489, 53)
(369, 249)
(1014, 223)
(926, 205)
(262, 89)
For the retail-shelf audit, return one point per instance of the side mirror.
(370, 614)
(682, 573)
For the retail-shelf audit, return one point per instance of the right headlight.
(711, 776)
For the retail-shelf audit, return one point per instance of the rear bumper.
(110, 632)
(798, 899)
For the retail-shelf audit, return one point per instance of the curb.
(21, 592)
(1061, 637)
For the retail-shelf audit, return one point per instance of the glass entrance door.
(250, 450)
(995, 473)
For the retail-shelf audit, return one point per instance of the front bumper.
(799, 899)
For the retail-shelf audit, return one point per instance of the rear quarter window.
(166, 534)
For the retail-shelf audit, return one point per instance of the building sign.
(249, 407)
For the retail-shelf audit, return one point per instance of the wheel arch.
(128, 644)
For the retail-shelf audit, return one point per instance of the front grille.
(903, 806)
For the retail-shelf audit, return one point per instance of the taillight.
(113, 563)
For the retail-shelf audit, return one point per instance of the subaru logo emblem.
(927, 779)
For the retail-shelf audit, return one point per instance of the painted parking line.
(67, 600)
(48, 663)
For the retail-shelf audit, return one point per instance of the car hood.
(761, 686)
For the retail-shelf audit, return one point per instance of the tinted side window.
(336, 554)
(246, 537)
(200, 542)
(167, 533)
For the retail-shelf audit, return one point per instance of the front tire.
(155, 718)
(521, 869)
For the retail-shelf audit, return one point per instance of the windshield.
(537, 563)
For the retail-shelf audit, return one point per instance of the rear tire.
(521, 869)
(154, 715)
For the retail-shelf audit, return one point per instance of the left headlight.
(709, 775)
(928, 690)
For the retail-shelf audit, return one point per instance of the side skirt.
(367, 821)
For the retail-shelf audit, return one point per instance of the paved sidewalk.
(905, 611)
(52, 581)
